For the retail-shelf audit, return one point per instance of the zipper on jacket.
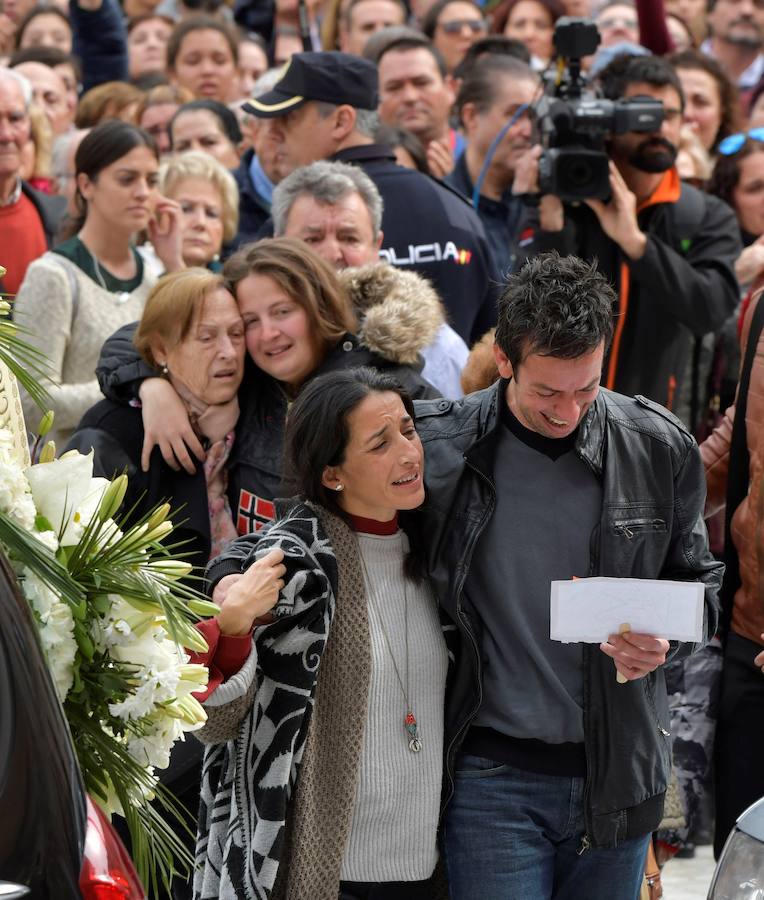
(630, 527)
(584, 846)
(468, 630)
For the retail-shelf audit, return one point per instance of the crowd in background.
(383, 155)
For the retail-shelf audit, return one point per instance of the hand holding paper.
(595, 610)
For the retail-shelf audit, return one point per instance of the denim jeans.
(515, 835)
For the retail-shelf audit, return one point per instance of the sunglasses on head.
(456, 25)
(734, 142)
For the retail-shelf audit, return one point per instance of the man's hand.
(750, 262)
(635, 655)
(526, 181)
(253, 594)
(618, 218)
(759, 660)
(440, 161)
(165, 233)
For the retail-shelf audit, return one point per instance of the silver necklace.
(119, 297)
(409, 721)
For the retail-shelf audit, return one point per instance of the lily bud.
(158, 516)
(192, 711)
(112, 498)
(46, 423)
(203, 608)
(156, 534)
(48, 452)
(172, 569)
(5, 306)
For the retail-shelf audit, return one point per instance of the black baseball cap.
(329, 76)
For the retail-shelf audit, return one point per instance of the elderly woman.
(208, 199)
(192, 332)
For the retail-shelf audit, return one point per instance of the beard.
(654, 155)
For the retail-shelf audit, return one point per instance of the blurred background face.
(47, 30)
(201, 220)
(483, 126)
(205, 65)
(738, 22)
(680, 33)
(618, 24)
(252, 64)
(364, 19)
(702, 104)
(531, 23)
(748, 196)
(459, 25)
(146, 45)
(156, 120)
(693, 12)
(200, 129)
(49, 94)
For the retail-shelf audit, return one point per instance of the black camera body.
(573, 123)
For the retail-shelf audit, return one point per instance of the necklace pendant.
(409, 723)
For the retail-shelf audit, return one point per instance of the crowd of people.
(316, 248)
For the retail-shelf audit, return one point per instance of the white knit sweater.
(70, 334)
(395, 815)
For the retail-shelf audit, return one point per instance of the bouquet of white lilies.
(114, 612)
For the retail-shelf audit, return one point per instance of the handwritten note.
(588, 610)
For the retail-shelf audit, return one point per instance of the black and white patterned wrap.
(247, 783)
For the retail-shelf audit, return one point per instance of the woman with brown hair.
(299, 323)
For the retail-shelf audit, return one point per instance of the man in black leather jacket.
(556, 772)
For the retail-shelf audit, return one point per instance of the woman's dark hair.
(502, 12)
(229, 124)
(45, 9)
(104, 145)
(726, 174)
(430, 18)
(317, 432)
(399, 137)
(729, 96)
(199, 23)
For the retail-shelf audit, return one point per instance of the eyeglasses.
(734, 142)
(615, 21)
(455, 26)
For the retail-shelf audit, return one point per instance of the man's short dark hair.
(415, 42)
(492, 45)
(625, 70)
(481, 83)
(555, 306)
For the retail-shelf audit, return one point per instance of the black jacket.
(254, 210)
(115, 433)
(256, 464)
(651, 527)
(684, 285)
(432, 228)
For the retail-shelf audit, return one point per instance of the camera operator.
(668, 249)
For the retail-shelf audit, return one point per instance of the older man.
(337, 209)
(49, 93)
(28, 219)
(324, 107)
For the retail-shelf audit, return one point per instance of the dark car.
(53, 839)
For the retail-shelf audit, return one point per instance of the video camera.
(573, 123)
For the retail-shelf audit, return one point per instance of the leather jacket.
(651, 526)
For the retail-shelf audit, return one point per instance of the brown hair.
(305, 277)
(171, 307)
(106, 101)
(161, 95)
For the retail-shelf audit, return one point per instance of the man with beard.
(667, 248)
(737, 33)
(493, 92)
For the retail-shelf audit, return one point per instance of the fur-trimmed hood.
(399, 311)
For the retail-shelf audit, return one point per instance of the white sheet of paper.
(589, 610)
